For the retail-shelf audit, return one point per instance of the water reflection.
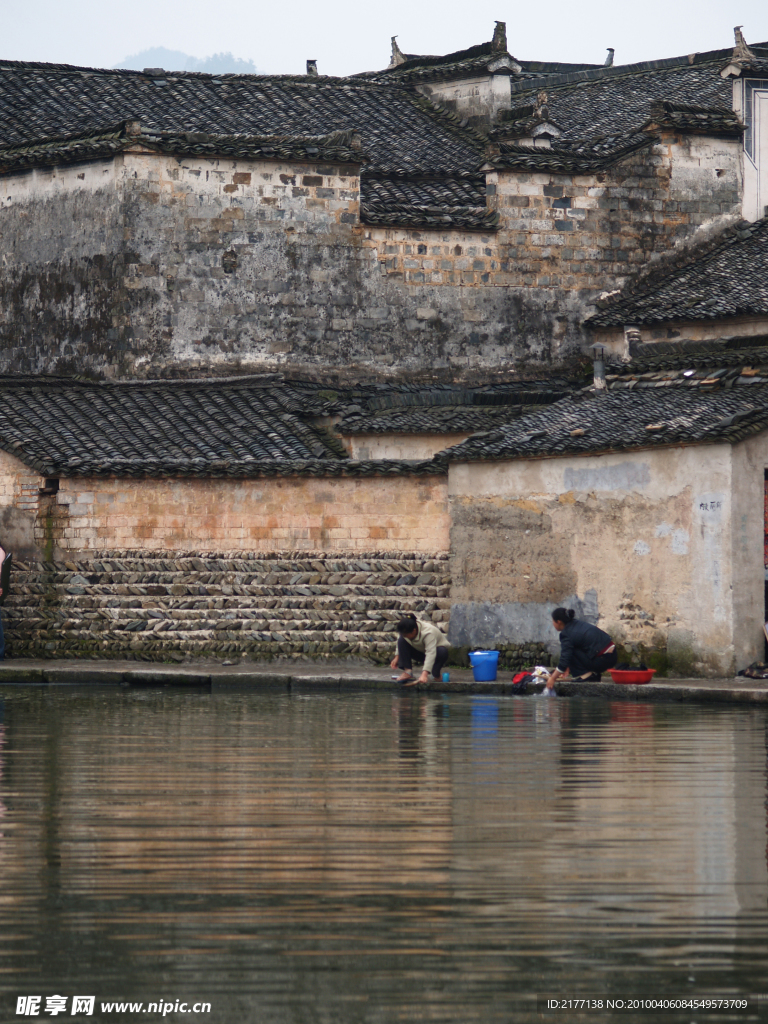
(377, 857)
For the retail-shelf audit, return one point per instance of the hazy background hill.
(175, 60)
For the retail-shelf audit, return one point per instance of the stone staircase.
(177, 605)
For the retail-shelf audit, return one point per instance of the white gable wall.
(750, 100)
(663, 549)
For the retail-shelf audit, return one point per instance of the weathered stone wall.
(151, 265)
(171, 605)
(661, 548)
(177, 605)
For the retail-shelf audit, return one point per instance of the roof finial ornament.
(541, 108)
(741, 51)
(609, 59)
(499, 41)
(398, 57)
(312, 68)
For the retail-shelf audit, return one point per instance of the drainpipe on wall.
(632, 337)
(599, 368)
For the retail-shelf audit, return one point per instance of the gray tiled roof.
(225, 427)
(694, 361)
(567, 157)
(400, 131)
(237, 426)
(667, 414)
(695, 120)
(52, 114)
(724, 277)
(447, 409)
(342, 147)
(452, 419)
(460, 202)
(617, 101)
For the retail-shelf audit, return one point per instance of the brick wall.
(273, 514)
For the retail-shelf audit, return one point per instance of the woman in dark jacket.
(585, 650)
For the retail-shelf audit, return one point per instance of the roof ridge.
(430, 60)
(619, 71)
(297, 78)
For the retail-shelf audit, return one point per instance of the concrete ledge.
(722, 691)
(167, 677)
(288, 676)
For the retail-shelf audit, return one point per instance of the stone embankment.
(187, 605)
(295, 676)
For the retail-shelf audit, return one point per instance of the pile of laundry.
(522, 680)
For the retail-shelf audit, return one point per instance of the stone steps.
(134, 604)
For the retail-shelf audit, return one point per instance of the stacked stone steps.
(127, 604)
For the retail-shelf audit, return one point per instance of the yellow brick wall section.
(19, 485)
(294, 513)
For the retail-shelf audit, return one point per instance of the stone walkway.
(292, 675)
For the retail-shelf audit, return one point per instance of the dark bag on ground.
(5, 577)
(757, 670)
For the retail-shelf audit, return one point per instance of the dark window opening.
(51, 485)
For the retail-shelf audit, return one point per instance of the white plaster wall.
(701, 165)
(400, 446)
(755, 167)
(649, 532)
(46, 183)
(473, 96)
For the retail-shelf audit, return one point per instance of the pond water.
(304, 857)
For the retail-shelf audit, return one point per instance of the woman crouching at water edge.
(419, 641)
(585, 650)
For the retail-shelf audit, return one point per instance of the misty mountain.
(175, 60)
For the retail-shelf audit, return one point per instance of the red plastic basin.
(632, 675)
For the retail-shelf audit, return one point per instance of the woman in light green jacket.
(419, 641)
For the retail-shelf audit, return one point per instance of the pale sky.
(346, 37)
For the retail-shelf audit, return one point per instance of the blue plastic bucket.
(484, 665)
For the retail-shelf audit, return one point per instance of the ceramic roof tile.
(723, 277)
(624, 420)
(617, 100)
(236, 426)
(460, 202)
(401, 132)
(65, 426)
(568, 157)
(481, 59)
